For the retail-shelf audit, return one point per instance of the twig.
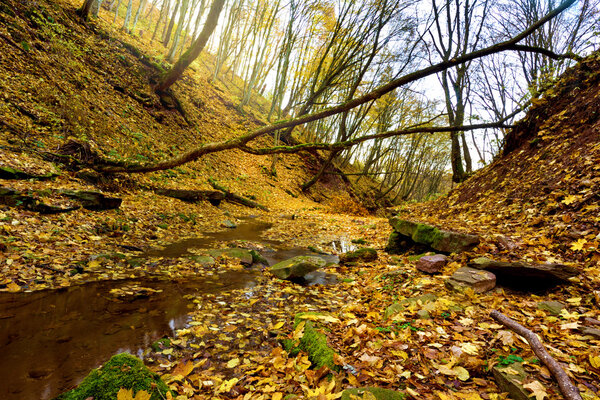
(566, 386)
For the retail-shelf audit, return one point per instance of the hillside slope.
(543, 193)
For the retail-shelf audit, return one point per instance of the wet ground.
(51, 339)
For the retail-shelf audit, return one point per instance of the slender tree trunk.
(84, 11)
(167, 36)
(125, 26)
(160, 18)
(137, 14)
(195, 49)
(117, 11)
(182, 14)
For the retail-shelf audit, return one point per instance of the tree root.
(566, 386)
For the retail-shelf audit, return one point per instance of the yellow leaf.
(277, 396)
(183, 368)
(578, 245)
(461, 373)
(320, 317)
(595, 361)
(125, 394)
(570, 199)
(227, 385)
(470, 348)
(93, 264)
(233, 363)
(13, 287)
(537, 389)
(278, 325)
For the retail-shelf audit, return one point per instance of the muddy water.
(50, 340)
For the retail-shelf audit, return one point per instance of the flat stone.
(245, 256)
(478, 280)
(437, 239)
(510, 379)
(523, 275)
(365, 254)
(205, 261)
(432, 264)
(587, 331)
(553, 307)
(297, 267)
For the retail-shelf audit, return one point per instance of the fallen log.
(566, 386)
(235, 198)
(212, 196)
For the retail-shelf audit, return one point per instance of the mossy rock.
(121, 371)
(258, 258)
(297, 267)
(161, 344)
(365, 254)
(313, 342)
(205, 261)
(428, 235)
(378, 393)
(243, 255)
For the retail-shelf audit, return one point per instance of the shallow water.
(51, 339)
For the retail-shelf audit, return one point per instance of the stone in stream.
(432, 264)
(409, 232)
(121, 371)
(510, 379)
(364, 254)
(297, 267)
(243, 255)
(524, 275)
(465, 277)
(372, 393)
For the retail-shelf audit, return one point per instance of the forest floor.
(546, 211)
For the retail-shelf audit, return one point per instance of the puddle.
(250, 231)
(50, 340)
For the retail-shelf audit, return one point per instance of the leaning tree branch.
(243, 140)
(566, 386)
(547, 52)
(352, 142)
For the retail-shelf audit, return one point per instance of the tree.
(242, 142)
(195, 49)
(84, 11)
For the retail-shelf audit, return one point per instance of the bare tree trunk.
(195, 49)
(84, 11)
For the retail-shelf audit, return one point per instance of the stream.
(51, 339)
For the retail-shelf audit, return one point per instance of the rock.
(478, 280)
(587, 331)
(365, 254)
(313, 342)
(297, 267)
(205, 261)
(553, 307)
(94, 201)
(229, 224)
(245, 256)
(510, 379)
(522, 275)
(437, 239)
(258, 258)
(13, 198)
(121, 371)
(432, 264)
(403, 304)
(423, 314)
(374, 392)
(12, 173)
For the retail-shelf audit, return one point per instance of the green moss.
(364, 254)
(379, 393)
(257, 258)
(161, 344)
(427, 234)
(121, 371)
(313, 342)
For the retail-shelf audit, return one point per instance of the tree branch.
(383, 135)
(547, 52)
(566, 386)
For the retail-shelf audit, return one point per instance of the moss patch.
(364, 254)
(121, 371)
(427, 234)
(313, 342)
